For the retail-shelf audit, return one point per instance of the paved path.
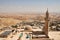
(15, 37)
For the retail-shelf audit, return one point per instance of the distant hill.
(8, 21)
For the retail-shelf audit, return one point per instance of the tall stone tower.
(46, 23)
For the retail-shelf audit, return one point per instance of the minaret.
(46, 23)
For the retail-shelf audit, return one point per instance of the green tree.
(14, 26)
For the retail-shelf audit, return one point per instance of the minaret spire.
(46, 22)
(47, 14)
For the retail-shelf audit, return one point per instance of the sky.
(29, 5)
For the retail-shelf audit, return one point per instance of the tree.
(14, 26)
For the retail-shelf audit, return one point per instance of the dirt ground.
(54, 35)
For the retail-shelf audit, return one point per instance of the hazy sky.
(29, 5)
